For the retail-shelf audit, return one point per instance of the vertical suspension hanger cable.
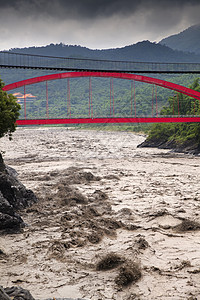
(134, 99)
(68, 99)
(24, 102)
(156, 101)
(47, 101)
(110, 96)
(113, 99)
(91, 98)
(178, 103)
(173, 105)
(131, 98)
(152, 98)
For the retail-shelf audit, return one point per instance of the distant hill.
(187, 40)
(142, 51)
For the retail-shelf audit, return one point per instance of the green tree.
(179, 133)
(9, 112)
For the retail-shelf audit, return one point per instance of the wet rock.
(15, 192)
(11, 171)
(9, 219)
(2, 165)
(5, 206)
(18, 293)
(156, 143)
(13, 196)
(14, 222)
(3, 295)
(189, 146)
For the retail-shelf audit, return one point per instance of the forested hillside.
(179, 136)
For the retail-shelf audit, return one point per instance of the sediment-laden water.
(99, 195)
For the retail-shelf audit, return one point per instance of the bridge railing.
(20, 60)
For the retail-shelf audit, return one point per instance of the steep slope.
(187, 40)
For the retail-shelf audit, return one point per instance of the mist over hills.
(142, 51)
(187, 40)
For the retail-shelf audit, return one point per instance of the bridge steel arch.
(128, 76)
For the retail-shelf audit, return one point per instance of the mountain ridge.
(187, 40)
(141, 51)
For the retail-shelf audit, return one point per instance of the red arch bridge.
(112, 118)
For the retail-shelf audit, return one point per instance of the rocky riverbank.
(13, 197)
(189, 147)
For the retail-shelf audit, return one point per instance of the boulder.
(3, 295)
(15, 293)
(13, 197)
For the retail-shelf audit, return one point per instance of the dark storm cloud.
(93, 23)
(90, 8)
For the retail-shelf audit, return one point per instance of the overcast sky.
(96, 24)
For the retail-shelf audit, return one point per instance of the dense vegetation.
(178, 135)
(9, 112)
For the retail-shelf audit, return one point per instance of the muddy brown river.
(99, 195)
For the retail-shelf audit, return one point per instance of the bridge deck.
(42, 62)
(108, 120)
